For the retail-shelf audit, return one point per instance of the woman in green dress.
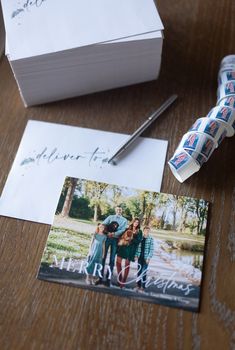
(127, 247)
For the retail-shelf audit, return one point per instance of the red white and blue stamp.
(196, 125)
(197, 156)
(229, 102)
(179, 160)
(230, 88)
(207, 148)
(222, 137)
(191, 141)
(224, 114)
(212, 127)
(230, 75)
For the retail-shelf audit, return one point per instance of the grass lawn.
(66, 243)
(177, 236)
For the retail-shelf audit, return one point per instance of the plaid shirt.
(148, 249)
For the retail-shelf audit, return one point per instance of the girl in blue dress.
(96, 253)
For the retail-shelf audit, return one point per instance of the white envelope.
(40, 27)
(50, 152)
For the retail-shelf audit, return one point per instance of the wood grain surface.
(41, 315)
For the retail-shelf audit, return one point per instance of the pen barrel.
(151, 119)
(143, 127)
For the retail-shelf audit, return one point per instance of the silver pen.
(142, 128)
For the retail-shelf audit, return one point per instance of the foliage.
(187, 246)
(61, 202)
(80, 208)
(133, 204)
(96, 200)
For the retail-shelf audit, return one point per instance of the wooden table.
(38, 315)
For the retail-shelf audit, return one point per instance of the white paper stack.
(2, 34)
(59, 49)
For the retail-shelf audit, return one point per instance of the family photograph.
(128, 242)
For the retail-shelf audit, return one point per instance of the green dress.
(96, 252)
(129, 251)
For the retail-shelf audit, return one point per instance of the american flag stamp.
(191, 141)
(230, 75)
(230, 88)
(230, 102)
(211, 127)
(179, 160)
(196, 125)
(224, 114)
(222, 137)
(207, 148)
(197, 156)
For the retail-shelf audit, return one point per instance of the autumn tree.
(95, 191)
(117, 193)
(134, 205)
(162, 202)
(175, 208)
(150, 205)
(201, 212)
(143, 204)
(193, 214)
(186, 206)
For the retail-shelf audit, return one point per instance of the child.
(96, 252)
(144, 254)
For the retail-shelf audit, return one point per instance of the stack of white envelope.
(2, 34)
(60, 49)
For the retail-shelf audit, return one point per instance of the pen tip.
(112, 162)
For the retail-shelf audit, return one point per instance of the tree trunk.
(201, 224)
(183, 221)
(175, 208)
(148, 216)
(198, 227)
(144, 205)
(198, 215)
(162, 221)
(174, 221)
(95, 213)
(69, 198)
(203, 218)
